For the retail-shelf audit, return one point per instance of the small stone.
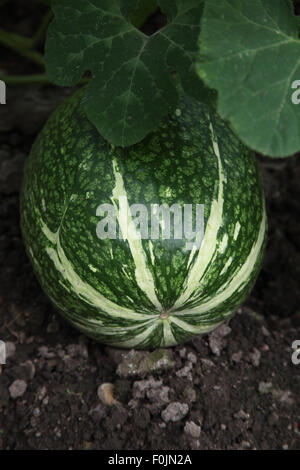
(255, 357)
(185, 372)
(141, 387)
(192, 357)
(36, 412)
(182, 353)
(192, 429)
(216, 339)
(133, 403)
(141, 363)
(30, 340)
(159, 360)
(77, 350)
(17, 388)
(45, 401)
(105, 393)
(237, 357)
(265, 387)
(159, 395)
(44, 352)
(245, 445)
(10, 349)
(241, 415)
(265, 332)
(284, 396)
(175, 411)
(206, 365)
(42, 393)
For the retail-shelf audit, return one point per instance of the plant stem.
(21, 45)
(36, 78)
(25, 79)
(14, 40)
(38, 36)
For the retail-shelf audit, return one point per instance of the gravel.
(175, 411)
(17, 388)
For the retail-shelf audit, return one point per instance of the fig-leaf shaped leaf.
(132, 82)
(249, 52)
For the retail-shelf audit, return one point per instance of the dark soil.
(234, 389)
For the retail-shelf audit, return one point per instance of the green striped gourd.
(136, 292)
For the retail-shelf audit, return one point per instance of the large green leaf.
(250, 53)
(131, 86)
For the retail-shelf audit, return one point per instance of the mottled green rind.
(70, 172)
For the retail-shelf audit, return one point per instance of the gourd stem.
(25, 79)
(21, 45)
(35, 78)
(40, 33)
